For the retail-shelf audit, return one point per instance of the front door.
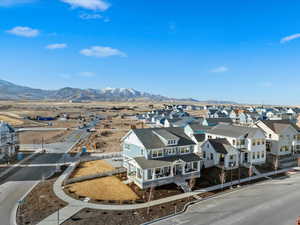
(178, 169)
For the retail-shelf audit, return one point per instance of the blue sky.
(246, 51)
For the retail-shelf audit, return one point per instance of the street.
(276, 202)
(19, 181)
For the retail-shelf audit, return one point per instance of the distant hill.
(11, 91)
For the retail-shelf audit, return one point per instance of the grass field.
(92, 167)
(107, 188)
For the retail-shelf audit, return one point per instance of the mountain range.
(11, 91)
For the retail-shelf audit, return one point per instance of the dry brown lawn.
(36, 137)
(107, 188)
(92, 167)
(12, 121)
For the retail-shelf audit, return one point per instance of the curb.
(13, 217)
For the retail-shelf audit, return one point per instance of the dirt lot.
(36, 137)
(40, 203)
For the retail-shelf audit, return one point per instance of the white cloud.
(102, 52)
(86, 16)
(24, 31)
(88, 4)
(56, 46)
(87, 74)
(289, 38)
(7, 3)
(220, 69)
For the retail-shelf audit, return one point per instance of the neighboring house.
(250, 142)
(282, 136)
(178, 122)
(8, 141)
(158, 156)
(215, 121)
(220, 153)
(197, 133)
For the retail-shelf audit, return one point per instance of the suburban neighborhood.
(149, 112)
(158, 156)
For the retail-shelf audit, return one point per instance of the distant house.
(8, 141)
(220, 153)
(158, 156)
(282, 136)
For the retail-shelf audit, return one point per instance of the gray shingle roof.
(233, 131)
(220, 145)
(279, 125)
(200, 137)
(166, 161)
(152, 141)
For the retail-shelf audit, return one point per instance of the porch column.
(172, 170)
(153, 174)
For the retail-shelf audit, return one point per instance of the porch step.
(184, 186)
(254, 170)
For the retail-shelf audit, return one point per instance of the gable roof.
(277, 126)
(221, 146)
(151, 141)
(233, 131)
(199, 137)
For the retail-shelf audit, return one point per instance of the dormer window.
(171, 142)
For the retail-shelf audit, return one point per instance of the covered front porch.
(151, 173)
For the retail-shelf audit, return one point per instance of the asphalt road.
(19, 181)
(271, 203)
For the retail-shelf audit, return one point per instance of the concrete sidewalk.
(76, 205)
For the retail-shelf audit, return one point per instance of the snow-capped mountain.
(9, 90)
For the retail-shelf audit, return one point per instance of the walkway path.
(77, 205)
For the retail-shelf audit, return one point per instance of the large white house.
(158, 156)
(250, 142)
(8, 141)
(282, 136)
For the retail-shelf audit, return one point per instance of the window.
(211, 156)
(127, 146)
(171, 151)
(258, 142)
(184, 150)
(262, 141)
(253, 142)
(270, 135)
(233, 142)
(263, 154)
(253, 155)
(243, 142)
(157, 153)
(231, 157)
(257, 155)
(204, 155)
(195, 166)
(149, 174)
